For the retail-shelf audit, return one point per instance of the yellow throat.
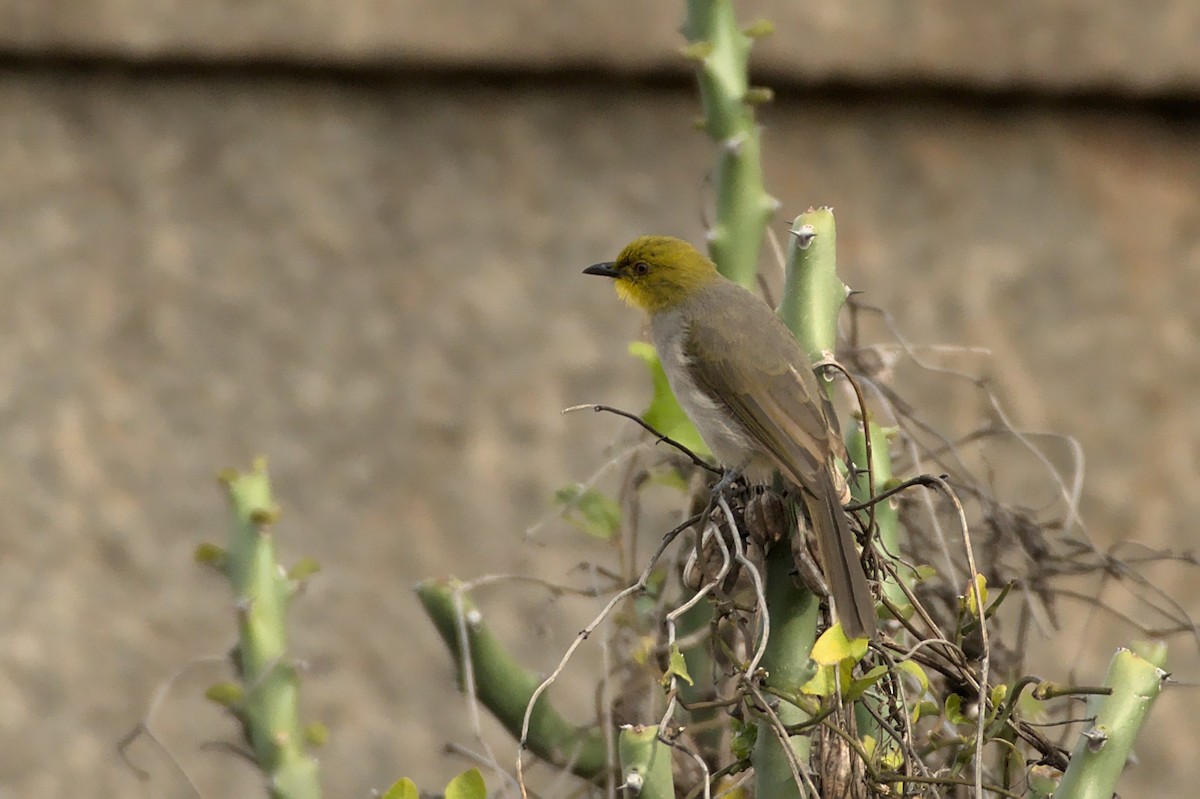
(655, 273)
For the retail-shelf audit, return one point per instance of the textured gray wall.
(375, 283)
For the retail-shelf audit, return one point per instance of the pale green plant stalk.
(722, 51)
(267, 702)
(813, 294)
(504, 687)
(645, 764)
(812, 299)
(1104, 745)
(786, 661)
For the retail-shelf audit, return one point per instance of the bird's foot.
(724, 486)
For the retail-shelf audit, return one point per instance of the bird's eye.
(641, 268)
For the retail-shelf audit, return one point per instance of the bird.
(749, 387)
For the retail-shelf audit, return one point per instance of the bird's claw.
(723, 487)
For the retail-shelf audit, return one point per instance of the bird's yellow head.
(655, 273)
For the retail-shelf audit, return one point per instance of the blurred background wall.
(348, 236)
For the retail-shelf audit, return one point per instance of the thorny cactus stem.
(268, 708)
(813, 296)
(787, 664)
(885, 513)
(645, 764)
(504, 687)
(1104, 745)
(744, 208)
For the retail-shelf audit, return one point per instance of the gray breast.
(731, 445)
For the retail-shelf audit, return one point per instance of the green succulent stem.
(813, 294)
(886, 522)
(1104, 746)
(504, 687)
(886, 516)
(722, 51)
(645, 764)
(788, 666)
(269, 705)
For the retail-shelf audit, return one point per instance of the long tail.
(853, 605)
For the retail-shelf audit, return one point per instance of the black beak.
(604, 270)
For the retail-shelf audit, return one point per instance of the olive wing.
(764, 378)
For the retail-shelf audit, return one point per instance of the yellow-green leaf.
(306, 568)
(744, 736)
(954, 712)
(1043, 780)
(1031, 708)
(226, 694)
(829, 679)
(730, 788)
(676, 667)
(868, 744)
(671, 478)
(468, 785)
(892, 759)
(972, 607)
(209, 554)
(316, 733)
(998, 694)
(403, 788)
(821, 684)
(859, 687)
(640, 653)
(759, 28)
(664, 413)
(924, 708)
(913, 669)
(833, 647)
(591, 511)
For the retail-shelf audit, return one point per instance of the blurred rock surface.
(372, 278)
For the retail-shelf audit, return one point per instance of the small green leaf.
(925, 572)
(998, 694)
(316, 733)
(265, 516)
(829, 679)
(468, 785)
(868, 745)
(209, 555)
(972, 607)
(664, 413)
(758, 95)
(306, 568)
(759, 28)
(403, 788)
(892, 758)
(833, 647)
(913, 669)
(1043, 780)
(671, 478)
(744, 736)
(862, 684)
(923, 709)
(954, 712)
(591, 511)
(226, 694)
(677, 667)
(643, 649)
(1031, 708)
